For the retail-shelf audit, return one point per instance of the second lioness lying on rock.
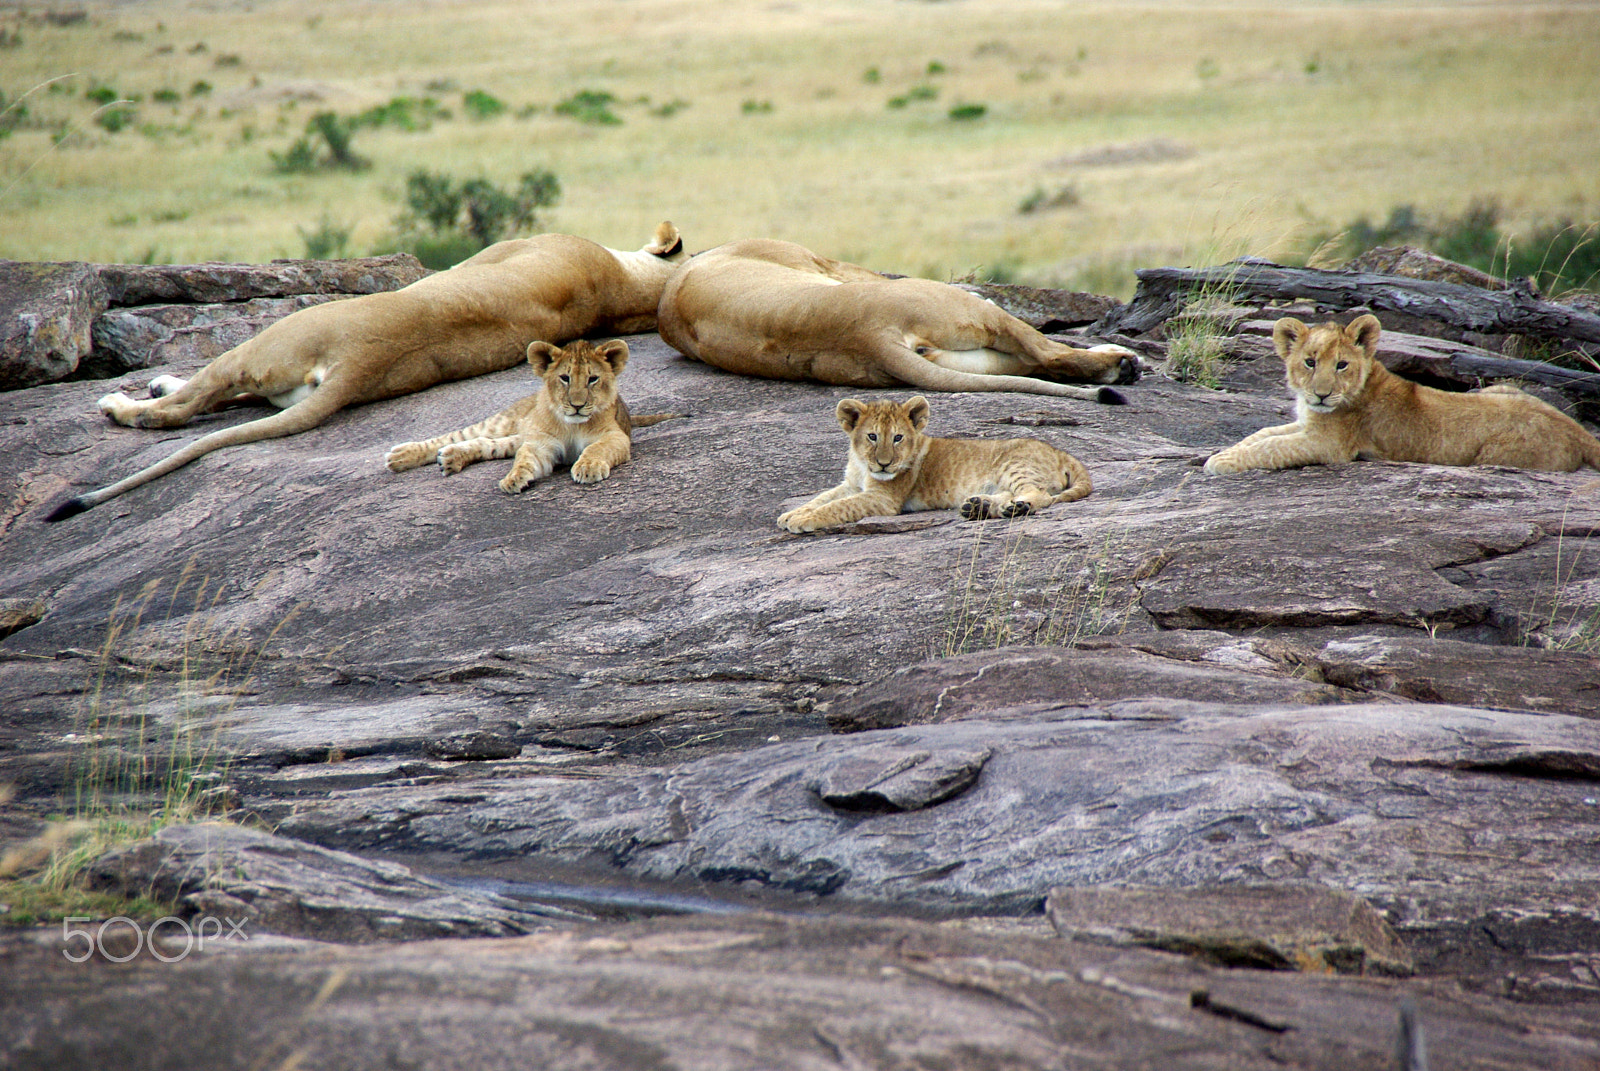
(1350, 406)
(894, 468)
(576, 417)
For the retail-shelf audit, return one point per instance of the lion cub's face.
(885, 437)
(580, 378)
(1328, 365)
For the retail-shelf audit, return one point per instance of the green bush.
(334, 133)
(965, 112)
(328, 242)
(446, 221)
(590, 106)
(411, 114)
(116, 118)
(480, 105)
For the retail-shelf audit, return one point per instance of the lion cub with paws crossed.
(1350, 406)
(894, 468)
(576, 417)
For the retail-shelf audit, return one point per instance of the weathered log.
(1517, 310)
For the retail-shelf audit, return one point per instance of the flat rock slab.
(741, 992)
(1268, 927)
(275, 885)
(1403, 803)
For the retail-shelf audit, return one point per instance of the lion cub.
(1349, 406)
(893, 467)
(576, 417)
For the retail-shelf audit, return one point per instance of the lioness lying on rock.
(775, 309)
(893, 467)
(475, 318)
(577, 417)
(1350, 406)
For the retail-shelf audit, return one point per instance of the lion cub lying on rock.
(1351, 406)
(576, 417)
(893, 467)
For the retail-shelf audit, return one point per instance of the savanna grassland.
(1046, 142)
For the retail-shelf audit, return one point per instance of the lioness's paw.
(1221, 465)
(454, 458)
(161, 386)
(1128, 369)
(588, 470)
(117, 406)
(405, 456)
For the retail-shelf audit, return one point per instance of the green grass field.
(1137, 133)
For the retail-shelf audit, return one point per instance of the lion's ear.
(1363, 331)
(668, 242)
(849, 413)
(1286, 334)
(614, 353)
(540, 354)
(916, 410)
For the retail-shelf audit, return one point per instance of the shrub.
(590, 106)
(967, 112)
(334, 133)
(410, 114)
(480, 105)
(116, 118)
(329, 241)
(445, 221)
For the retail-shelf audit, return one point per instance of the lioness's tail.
(1078, 483)
(299, 417)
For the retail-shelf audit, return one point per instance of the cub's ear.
(916, 411)
(1364, 331)
(1288, 333)
(849, 413)
(668, 242)
(540, 355)
(614, 353)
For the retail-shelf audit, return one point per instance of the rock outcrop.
(1363, 700)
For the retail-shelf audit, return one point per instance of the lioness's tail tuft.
(1110, 396)
(70, 508)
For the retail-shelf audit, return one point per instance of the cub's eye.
(593, 380)
(1342, 365)
(872, 436)
(1311, 362)
(566, 379)
(897, 438)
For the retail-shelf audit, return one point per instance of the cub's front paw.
(987, 507)
(455, 457)
(588, 470)
(515, 483)
(1221, 464)
(406, 456)
(799, 521)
